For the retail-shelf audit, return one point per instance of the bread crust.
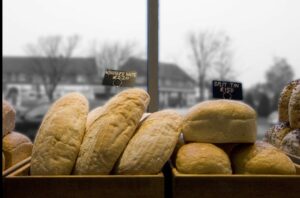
(59, 137)
(108, 135)
(284, 100)
(202, 158)
(8, 118)
(152, 145)
(261, 158)
(16, 147)
(220, 121)
(294, 108)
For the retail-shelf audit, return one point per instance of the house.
(21, 82)
(176, 88)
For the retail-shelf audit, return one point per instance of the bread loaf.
(261, 158)
(291, 143)
(16, 147)
(202, 158)
(279, 131)
(92, 116)
(3, 161)
(284, 99)
(294, 108)
(220, 121)
(152, 145)
(8, 118)
(108, 135)
(58, 140)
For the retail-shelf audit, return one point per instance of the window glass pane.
(250, 41)
(68, 44)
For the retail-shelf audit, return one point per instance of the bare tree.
(111, 56)
(210, 50)
(50, 57)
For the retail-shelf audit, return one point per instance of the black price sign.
(227, 90)
(119, 78)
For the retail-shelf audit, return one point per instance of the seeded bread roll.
(202, 158)
(58, 140)
(108, 135)
(294, 108)
(280, 130)
(220, 121)
(8, 118)
(261, 158)
(291, 143)
(152, 145)
(284, 99)
(16, 147)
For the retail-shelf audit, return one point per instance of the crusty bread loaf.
(261, 158)
(58, 140)
(109, 134)
(220, 121)
(16, 147)
(294, 108)
(152, 145)
(202, 158)
(291, 143)
(92, 116)
(284, 99)
(8, 118)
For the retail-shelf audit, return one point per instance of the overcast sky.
(260, 29)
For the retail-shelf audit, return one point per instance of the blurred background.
(54, 47)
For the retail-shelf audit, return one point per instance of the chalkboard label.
(227, 90)
(119, 78)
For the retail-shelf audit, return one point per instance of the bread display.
(152, 145)
(220, 121)
(108, 135)
(15, 147)
(291, 143)
(261, 158)
(202, 158)
(59, 137)
(294, 108)
(284, 100)
(8, 118)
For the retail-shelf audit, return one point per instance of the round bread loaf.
(107, 137)
(261, 158)
(8, 118)
(59, 137)
(284, 99)
(279, 131)
(92, 116)
(291, 143)
(16, 147)
(294, 108)
(220, 121)
(152, 145)
(202, 158)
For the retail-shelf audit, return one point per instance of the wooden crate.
(241, 186)
(19, 184)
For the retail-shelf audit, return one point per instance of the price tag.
(119, 78)
(227, 90)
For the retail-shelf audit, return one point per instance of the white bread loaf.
(16, 147)
(261, 158)
(202, 158)
(58, 140)
(220, 121)
(8, 118)
(152, 145)
(107, 137)
(294, 108)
